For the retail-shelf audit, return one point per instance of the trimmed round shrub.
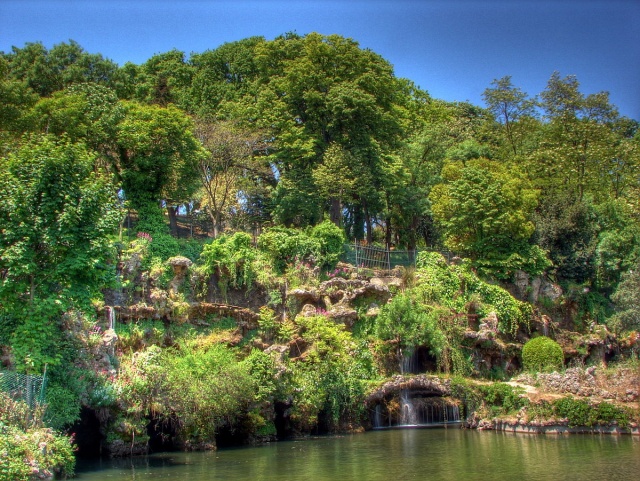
(542, 354)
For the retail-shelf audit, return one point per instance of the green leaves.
(485, 211)
(56, 213)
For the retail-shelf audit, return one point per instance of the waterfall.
(111, 313)
(408, 415)
(408, 364)
(377, 417)
(413, 410)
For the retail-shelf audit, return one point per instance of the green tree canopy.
(56, 213)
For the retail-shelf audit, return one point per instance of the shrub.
(503, 398)
(542, 354)
(231, 258)
(26, 446)
(456, 287)
(578, 412)
(283, 245)
(331, 239)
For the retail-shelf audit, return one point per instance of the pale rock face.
(180, 267)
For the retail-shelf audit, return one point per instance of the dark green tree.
(56, 213)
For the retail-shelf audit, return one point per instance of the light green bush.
(542, 354)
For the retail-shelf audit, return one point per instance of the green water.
(431, 454)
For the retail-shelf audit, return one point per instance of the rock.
(489, 323)
(180, 267)
(159, 298)
(386, 281)
(521, 282)
(373, 309)
(179, 263)
(304, 295)
(344, 314)
(308, 310)
(109, 338)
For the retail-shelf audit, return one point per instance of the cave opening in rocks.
(230, 436)
(408, 408)
(162, 435)
(418, 361)
(88, 434)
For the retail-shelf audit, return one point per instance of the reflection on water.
(433, 454)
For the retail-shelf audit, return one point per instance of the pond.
(399, 454)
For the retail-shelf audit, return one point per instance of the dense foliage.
(257, 161)
(542, 354)
(28, 449)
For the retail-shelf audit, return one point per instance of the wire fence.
(374, 257)
(24, 387)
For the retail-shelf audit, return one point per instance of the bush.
(283, 246)
(457, 287)
(331, 239)
(27, 447)
(542, 354)
(578, 412)
(503, 398)
(231, 258)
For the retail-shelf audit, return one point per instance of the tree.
(336, 178)
(315, 91)
(158, 156)
(88, 113)
(627, 302)
(47, 71)
(222, 77)
(484, 209)
(579, 141)
(164, 79)
(510, 106)
(56, 213)
(15, 100)
(230, 151)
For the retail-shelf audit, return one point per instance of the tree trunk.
(387, 232)
(368, 223)
(173, 221)
(335, 212)
(217, 224)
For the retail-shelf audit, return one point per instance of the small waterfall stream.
(111, 313)
(408, 361)
(414, 410)
(408, 416)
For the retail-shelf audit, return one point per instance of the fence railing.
(374, 257)
(24, 387)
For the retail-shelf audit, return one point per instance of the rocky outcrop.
(424, 384)
(180, 267)
(534, 289)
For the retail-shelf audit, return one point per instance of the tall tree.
(56, 213)
(158, 156)
(47, 71)
(16, 98)
(578, 145)
(315, 91)
(485, 211)
(230, 156)
(511, 106)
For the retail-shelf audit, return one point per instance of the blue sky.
(453, 49)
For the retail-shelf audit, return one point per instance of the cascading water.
(408, 416)
(416, 411)
(111, 313)
(408, 362)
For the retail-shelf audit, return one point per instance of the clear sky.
(453, 49)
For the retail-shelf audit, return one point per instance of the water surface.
(404, 454)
